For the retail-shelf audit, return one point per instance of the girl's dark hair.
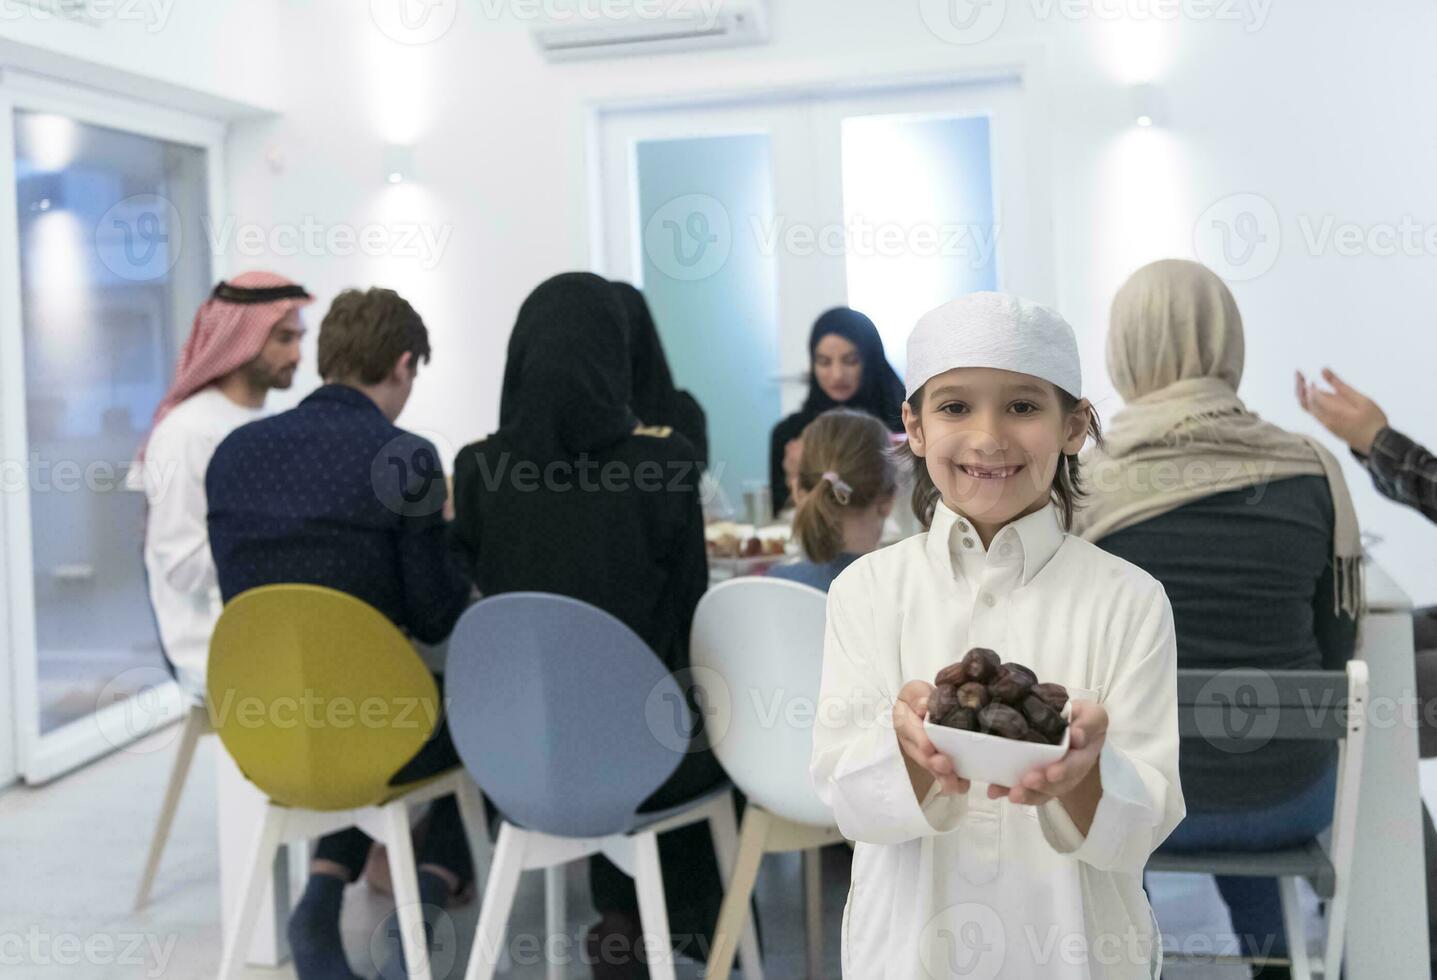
(1067, 490)
(854, 446)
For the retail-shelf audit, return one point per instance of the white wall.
(222, 52)
(1306, 105)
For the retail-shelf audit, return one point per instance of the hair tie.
(842, 492)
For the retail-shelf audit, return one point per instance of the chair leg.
(653, 912)
(1336, 932)
(1340, 847)
(556, 916)
(196, 724)
(725, 835)
(738, 893)
(257, 875)
(476, 826)
(1292, 921)
(404, 874)
(498, 902)
(813, 910)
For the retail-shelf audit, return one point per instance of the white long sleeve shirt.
(964, 886)
(184, 589)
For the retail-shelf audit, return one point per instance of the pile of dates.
(980, 693)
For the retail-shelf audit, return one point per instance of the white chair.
(757, 651)
(1236, 707)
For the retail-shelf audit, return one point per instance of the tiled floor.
(71, 853)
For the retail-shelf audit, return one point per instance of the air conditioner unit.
(574, 30)
(77, 11)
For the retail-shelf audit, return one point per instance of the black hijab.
(567, 379)
(655, 399)
(653, 382)
(880, 393)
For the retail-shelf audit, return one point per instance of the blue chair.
(569, 722)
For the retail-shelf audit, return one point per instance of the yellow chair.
(197, 725)
(320, 700)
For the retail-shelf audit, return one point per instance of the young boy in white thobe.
(1042, 880)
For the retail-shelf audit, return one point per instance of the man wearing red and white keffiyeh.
(245, 341)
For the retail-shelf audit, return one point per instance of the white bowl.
(990, 759)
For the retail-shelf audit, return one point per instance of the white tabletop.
(1383, 592)
(1387, 926)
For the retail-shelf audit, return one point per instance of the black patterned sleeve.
(1403, 471)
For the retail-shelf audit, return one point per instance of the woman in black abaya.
(630, 548)
(655, 399)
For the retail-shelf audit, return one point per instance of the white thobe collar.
(954, 544)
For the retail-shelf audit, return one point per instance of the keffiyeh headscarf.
(230, 330)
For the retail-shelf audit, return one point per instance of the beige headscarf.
(1175, 354)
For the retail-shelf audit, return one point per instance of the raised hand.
(1344, 411)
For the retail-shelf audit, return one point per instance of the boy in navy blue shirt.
(332, 493)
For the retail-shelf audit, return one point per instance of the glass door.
(743, 221)
(943, 193)
(108, 215)
(684, 232)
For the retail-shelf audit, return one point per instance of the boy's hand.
(1072, 775)
(908, 713)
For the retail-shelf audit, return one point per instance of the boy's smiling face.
(992, 441)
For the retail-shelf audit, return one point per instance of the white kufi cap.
(994, 330)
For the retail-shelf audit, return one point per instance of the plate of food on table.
(743, 549)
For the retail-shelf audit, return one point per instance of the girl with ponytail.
(845, 490)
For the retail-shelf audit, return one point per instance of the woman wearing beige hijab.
(1252, 533)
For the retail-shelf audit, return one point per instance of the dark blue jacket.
(332, 493)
